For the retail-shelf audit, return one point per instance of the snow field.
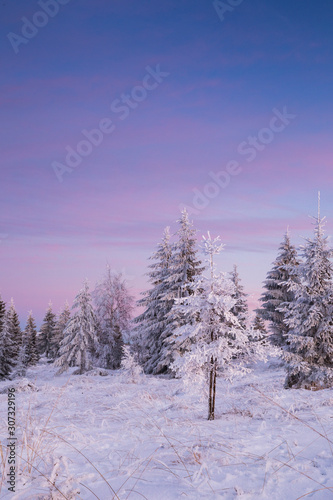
(103, 437)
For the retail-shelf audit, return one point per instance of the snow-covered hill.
(96, 436)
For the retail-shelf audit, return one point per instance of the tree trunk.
(214, 391)
(81, 363)
(211, 397)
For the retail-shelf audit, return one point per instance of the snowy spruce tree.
(277, 292)
(58, 333)
(79, 336)
(157, 302)
(29, 355)
(184, 268)
(7, 348)
(130, 367)
(240, 309)
(309, 351)
(214, 337)
(21, 363)
(258, 328)
(2, 313)
(14, 328)
(44, 339)
(113, 307)
(185, 265)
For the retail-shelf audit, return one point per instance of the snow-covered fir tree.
(80, 335)
(2, 313)
(21, 364)
(29, 343)
(7, 348)
(157, 302)
(59, 329)
(3, 354)
(14, 328)
(309, 351)
(183, 270)
(184, 263)
(113, 308)
(214, 337)
(259, 329)
(129, 366)
(277, 292)
(240, 309)
(45, 336)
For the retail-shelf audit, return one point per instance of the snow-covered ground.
(102, 437)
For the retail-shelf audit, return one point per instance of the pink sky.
(224, 81)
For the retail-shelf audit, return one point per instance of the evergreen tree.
(259, 328)
(157, 303)
(113, 305)
(214, 337)
(44, 339)
(29, 342)
(183, 270)
(2, 313)
(59, 329)
(21, 365)
(129, 366)
(277, 291)
(6, 344)
(14, 328)
(80, 335)
(240, 309)
(184, 264)
(309, 351)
